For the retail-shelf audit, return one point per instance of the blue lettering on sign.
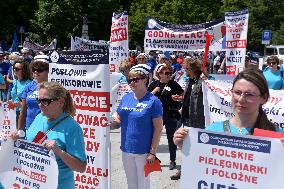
(234, 142)
(204, 185)
(31, 147)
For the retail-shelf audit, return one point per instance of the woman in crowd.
(22, 78)
(274, 74)
(141, 58)
(30, 109)
(249, 92)
(192, 111)
(140, 117)
(164, 89)
(63, 134)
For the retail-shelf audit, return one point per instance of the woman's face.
(272, 65)
(18, 71)
(165, 74)
(136, 82)
(39, 74)
(141, 60)
(48, 104)
(246, 97)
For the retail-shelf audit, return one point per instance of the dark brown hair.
(25, 70)
(256, 77)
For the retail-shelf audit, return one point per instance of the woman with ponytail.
(249, 92)
(58, 131)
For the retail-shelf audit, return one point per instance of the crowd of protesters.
(153, 78)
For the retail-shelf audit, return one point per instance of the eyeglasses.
(166, 73)
(141, 58)
(17, 69)
(38, 70)
(249, 97)
(135, 80)
(272, 63)
(46, 101)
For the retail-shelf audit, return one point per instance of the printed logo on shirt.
(34, 95)
(139, 108)
(167, 88)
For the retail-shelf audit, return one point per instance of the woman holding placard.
(249, 92)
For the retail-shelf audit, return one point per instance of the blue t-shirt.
(11, 76)
(68, 136)
(30, 93)
(17, 90)
(2, 81)
(219, 127)
(4, 67)
(274, 79)
(136, 122)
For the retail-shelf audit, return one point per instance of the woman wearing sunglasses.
(30, 108)
(140, 116)
(273, 73)
(58, 131)
(22, 77)
(164, 88)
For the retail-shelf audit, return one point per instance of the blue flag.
(15, 43)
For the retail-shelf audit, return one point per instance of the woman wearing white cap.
(140, 117)
(30, 109)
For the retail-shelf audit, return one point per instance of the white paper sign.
(217, 161)
(27, 166)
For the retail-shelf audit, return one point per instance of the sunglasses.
(272, 63)
(38, 70)
(17, 69)
(135, 80)
(46, 101)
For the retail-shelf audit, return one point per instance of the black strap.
(59, 121)
(226, 126)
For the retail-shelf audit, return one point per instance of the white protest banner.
(30, 44)
(217, 103)
(215, 160)
(119, 87)
(81, 44)
(86, 75)
(7, 119)
(118, 40)
(172, 37)
(236, 40)
(27, 165)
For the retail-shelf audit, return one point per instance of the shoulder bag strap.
(55, 124)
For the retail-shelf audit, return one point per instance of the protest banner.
(216, 160)
(236, 40)
(80, 44)
(118, 50)
(173, 37)
(218, 107)
(7, 119)
(119, 87)
(86, 75)
(26, 165)
(30, 44)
